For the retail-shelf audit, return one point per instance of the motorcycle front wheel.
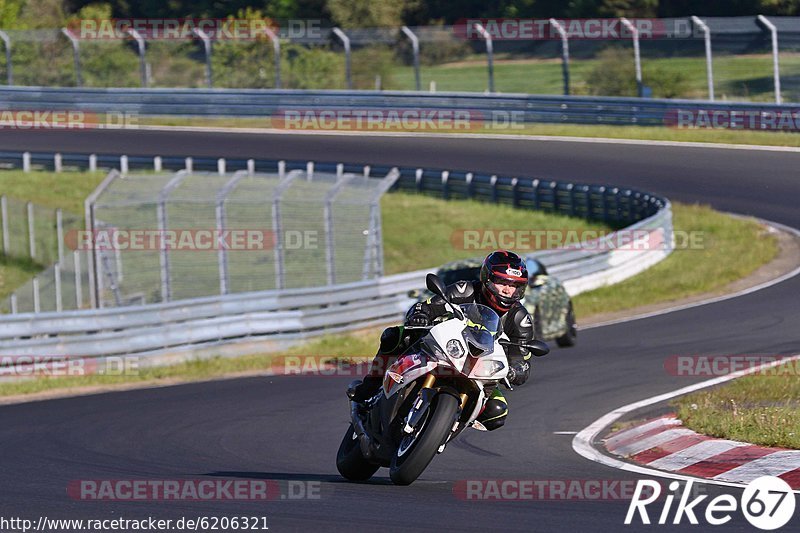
(417, 450)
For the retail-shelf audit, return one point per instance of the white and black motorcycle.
(435, 390)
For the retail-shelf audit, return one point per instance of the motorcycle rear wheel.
(350, 461)
(416, 456)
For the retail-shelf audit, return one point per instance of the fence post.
(37, 303)
(776, 73)
(493, 183)
(60, 234)
(123, 164)
(418, 179)
(14, 307)
(163, 196)
(76, 261)
(91, 254)
(564, 53)
(207, 47)
(26, 161)
(346, 42)
(330, 251)
(189, 165)
(445, 190)
(9, 66)
(636, 56)
(31, 231)
(4, 221)
(158, 163)
(221, 166)
(281, 169)
(489, 53)
(514, 188)
(415, 47)
(76, 55)
(536, 200)
(251, 167)
(468, 180)
(142, 62)
(276, 48)
(277, 226)
(554, 192)
(221, 221)
(57, 162)
(709, 69)
(57, 275)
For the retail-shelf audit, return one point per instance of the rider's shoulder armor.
(518, 323)
(461, 292)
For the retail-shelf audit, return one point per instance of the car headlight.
(455, 349)
(487, 369)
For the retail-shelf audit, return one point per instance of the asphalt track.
(288, 428)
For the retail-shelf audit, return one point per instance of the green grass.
(66, 190)
(763, 408)
(654, 133)
(429, 227)
(731, 249)
(742, 77)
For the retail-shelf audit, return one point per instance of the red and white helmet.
(506, 268)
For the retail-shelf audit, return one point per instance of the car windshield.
(483, 326)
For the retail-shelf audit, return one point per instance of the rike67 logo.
(768, 503)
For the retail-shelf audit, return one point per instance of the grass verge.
(763, 408)
(729, 249)
(651, 133)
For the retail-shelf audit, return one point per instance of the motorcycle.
(430, 394)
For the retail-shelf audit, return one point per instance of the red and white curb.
(664, 444)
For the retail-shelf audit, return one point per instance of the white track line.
(496, 136)
(641, 429)
(583, 443)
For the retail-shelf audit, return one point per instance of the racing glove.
(518, 373)
(418, 316)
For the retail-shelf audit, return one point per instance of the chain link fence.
(165, 237)
(726, 58)
(42, 236)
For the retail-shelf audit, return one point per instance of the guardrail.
(492, 110)
(293, 314)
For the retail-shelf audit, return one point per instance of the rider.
(502, 283)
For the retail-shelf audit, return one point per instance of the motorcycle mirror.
(435, 285)
(538, 348)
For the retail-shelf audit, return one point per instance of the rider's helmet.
(506, 268)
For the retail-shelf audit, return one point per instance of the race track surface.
(288, 428)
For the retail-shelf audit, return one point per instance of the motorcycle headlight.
(487, 369)
(455, 349)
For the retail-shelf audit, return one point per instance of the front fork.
(422, 404)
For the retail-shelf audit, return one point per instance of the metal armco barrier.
(299, 313)
(502, 111)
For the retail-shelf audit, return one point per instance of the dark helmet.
(507, 268)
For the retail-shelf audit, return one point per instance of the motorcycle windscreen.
(483, 327)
